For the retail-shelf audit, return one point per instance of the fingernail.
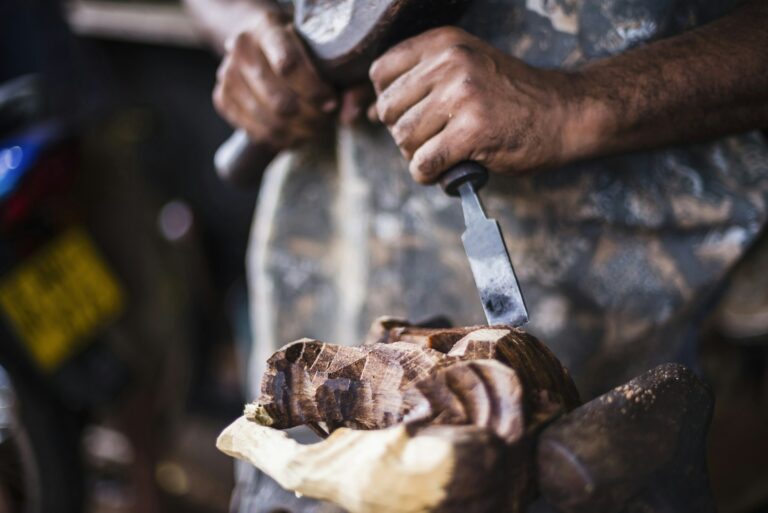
(330, 105)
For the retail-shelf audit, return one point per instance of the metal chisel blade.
(491, 267)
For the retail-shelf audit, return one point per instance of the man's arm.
(447, 97)
(701, 84)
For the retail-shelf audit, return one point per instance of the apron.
(617, 257)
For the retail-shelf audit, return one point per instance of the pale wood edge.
(139, 22)
(376, 471)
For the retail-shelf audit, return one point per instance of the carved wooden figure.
(451, 420)
(441, 420)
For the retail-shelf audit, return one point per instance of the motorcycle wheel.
(41, 468)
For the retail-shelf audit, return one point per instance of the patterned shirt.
(617, 257)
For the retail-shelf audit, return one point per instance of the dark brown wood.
(487, 392)
(390, 329)
(491, 476)
(482, 393)
(358, 387)
(552, 388)
(380, 384)
(495, 396)
(345, 36)
(638, 448)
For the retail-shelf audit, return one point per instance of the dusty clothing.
(617, 257)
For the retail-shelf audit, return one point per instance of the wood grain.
(422, 419)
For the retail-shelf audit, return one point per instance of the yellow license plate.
(57, 299)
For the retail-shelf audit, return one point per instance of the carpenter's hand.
(447, 96)
(268, 85)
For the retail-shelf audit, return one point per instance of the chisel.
(483, 241)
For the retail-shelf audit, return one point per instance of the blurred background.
(121, 262)
(124, 319)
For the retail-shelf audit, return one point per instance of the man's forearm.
(702, 84)
(220, 19)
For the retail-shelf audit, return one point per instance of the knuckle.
(374, 71)
(276, 133)
(218, 99)
(287, 61)
(448, 34)
(468, 85)
(417, 172)
(460, 53)
(401, 132)
(222, 99)
(230, 74)
(476, 115)
(242, 42)
(271, 18)
(258, 71)
(223, 70)
(463, 93)
(286, 104)
(469, 122)
(430, 163)
(226, 73)
(251, 106)
(407, 149)
(221, 74)
(386, 112)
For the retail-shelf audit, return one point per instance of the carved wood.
(456, 429)
(345, 36)
(440, 420)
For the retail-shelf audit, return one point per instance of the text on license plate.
(57, 299)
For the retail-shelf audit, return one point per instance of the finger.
(418, 125)
(290, 61)
(278, 105)
(237, 102)
(402, 94)
(373, 115)
(407, 54)
(229, 87)
(394, 63)
(439, 154)
(247, 113)
(354, 102)
(261, 126)
(267, 88)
